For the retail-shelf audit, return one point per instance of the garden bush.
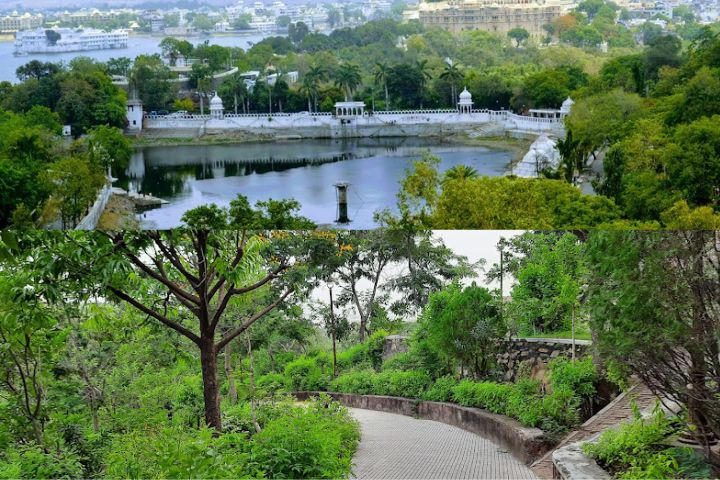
(368, 353)
(401, 384)
(272, 383)
(314, 442)
(308, 373)
(580, 376)
(392, 383)
(31, 461)
(360, 382)
(441, 390)
(175, 452)
(640, 449)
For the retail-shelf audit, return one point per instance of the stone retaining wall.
(524, 443)
(394, 344)
(535, 352)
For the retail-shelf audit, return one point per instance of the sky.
(473, 244)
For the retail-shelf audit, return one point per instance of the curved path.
(396, 446)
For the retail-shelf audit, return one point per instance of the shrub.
(401, 384)
(308, 373)
(369, 353)
(31, 461)
(360, 382)
(580, 376)
(272, 383)
(441, 390)
(632, 444)
(317, 442)
(177, 453)
(554, 413)
(638, 450)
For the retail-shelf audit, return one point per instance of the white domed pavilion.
(217, 110)
(466, 103)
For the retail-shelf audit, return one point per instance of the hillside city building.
(16, 22)
(498, 16)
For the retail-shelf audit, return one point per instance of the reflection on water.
(188, 176)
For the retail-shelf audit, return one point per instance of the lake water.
(188, 176)
(138, 45)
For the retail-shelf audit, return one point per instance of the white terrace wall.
(325, 125)
(90, 221)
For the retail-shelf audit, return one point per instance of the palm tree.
(311, 83)
(452, 74)
(235, 86)
(422, 68)
(348, 78)
(382, 73)
(460, 172)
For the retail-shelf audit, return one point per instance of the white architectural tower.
(134, 115)
(566, 107)
(217, 111)
(466, 103)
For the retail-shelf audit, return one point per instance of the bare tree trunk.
(232, 388)
(253, 412)
(211, 390)
(334, 339)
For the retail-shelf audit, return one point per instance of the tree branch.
(230, 336)
(149, 311)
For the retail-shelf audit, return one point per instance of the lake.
(138, 45)
(307, 170)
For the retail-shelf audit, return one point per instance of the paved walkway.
(400, 447)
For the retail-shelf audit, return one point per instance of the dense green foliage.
(640, 449)
(464, 327)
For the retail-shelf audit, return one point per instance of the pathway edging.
(524, 443)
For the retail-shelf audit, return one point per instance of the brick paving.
(400, 447)
(613, 414)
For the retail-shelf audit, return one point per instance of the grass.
(567, 335)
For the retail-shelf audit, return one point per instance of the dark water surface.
(188, 176)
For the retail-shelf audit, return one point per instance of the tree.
(316, 75)
(199, 274)
(297, 32)
(75, 183)
(518, 34)
(460, 172)
(31, 339)
(348, 78)
(37, 70)
(382, 72)
(108, 147)
(548, 282)
(119, 66)
(653, 299)
(452, 74)
(464, 326)
(150, 81)
(201, 79)
(234, 86)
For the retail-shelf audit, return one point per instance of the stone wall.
(323, 125)
(524, 443)
(533, 353)
(394, 344)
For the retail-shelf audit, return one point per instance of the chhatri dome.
(216, 107)
(465, 104)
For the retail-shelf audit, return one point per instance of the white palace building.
(351, 120)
